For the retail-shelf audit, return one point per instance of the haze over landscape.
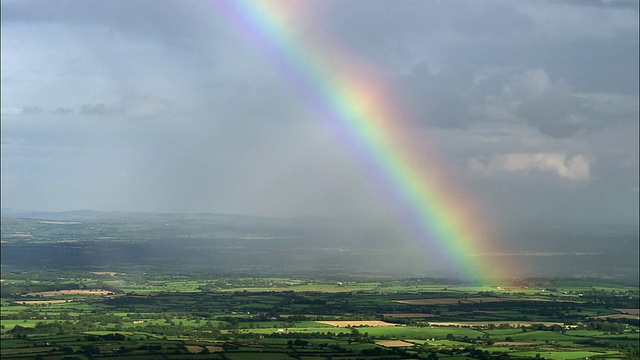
(527, 111)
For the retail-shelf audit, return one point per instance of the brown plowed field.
(618, 316)
(96, 292)
(357, 323)
(194, 349)
(395, 343)
(629, 311)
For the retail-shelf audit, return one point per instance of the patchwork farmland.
(148, 296)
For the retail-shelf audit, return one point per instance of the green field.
(278, 318)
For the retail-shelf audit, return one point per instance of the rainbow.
(358, 108)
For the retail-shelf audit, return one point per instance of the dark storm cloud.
(439, 50)
(557, 110)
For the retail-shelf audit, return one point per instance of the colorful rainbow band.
(358, 109)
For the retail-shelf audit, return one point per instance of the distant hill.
(48, 215)
(225, 240)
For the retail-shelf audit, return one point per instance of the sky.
(165, 106)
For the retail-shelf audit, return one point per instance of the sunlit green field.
(278, 318)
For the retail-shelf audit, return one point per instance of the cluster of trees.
(466, 339)
(56, 327)
(380, 351)
(612, 298)
(476, 353)
(609, 327)
(204, 330)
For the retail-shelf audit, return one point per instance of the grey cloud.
(62, 111)
(459, 96)
(557, 110)
(550, 107)
(31, 110)
(142, 107)
(99, 109)
(592, 65)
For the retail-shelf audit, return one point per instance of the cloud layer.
(164, 106)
